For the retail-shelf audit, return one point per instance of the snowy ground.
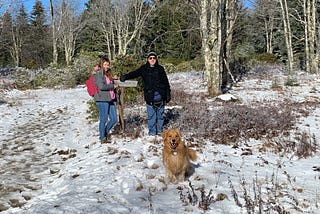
(51, 161)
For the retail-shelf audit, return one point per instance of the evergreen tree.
(39, 44)
(22, 32)
(6, 41)
(90, 38)
(173, 31)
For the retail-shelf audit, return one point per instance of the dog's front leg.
(181, 175)
(171, 176)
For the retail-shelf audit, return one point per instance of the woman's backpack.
(91, 87)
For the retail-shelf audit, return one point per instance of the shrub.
(259, 59)
(292, 82)
(49, 78)
(276, 84)
(231, 123)
(182, 66)
(93, 113)
(169, 67)
(197, 63)
(54, 76)
(123, 65)
(266, 57)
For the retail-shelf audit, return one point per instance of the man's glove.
(122, 78)
(168, 98)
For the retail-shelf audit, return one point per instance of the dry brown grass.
(233, 122)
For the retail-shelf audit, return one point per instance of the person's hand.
(168, 99)
(122, 78)
(115, 77)
(115, 86)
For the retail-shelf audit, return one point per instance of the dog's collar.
(174, 152)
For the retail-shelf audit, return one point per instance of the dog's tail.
(192, 154)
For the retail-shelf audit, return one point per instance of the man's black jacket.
(154, 79)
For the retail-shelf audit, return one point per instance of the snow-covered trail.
(35, 128)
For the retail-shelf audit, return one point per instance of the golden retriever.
(176, 155)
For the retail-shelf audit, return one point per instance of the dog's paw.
(172, 179)
(181, 178)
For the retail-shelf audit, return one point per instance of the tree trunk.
(269, 19)
(217, 18)
(210, 28)
(16, 48)
(54, 39)
(312, 54)
(269, 34)
(287, 34)
(229, 19)
(121, 22)
(69, 28)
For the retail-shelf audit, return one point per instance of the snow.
(52, 162)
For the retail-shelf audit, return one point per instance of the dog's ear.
(178, 132)
(164, 134)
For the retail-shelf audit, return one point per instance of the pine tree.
(173, 31)
(21, 35)
(41, 55)
(6, 41)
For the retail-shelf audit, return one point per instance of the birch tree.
(287, 33)
(13, 34)
(311, 40)
(229, 18)
(19, 35)
(54, 38)
(68, 29)
(120, 22)
(267, 12)
(217, 18)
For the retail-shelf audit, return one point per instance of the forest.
(222, 37)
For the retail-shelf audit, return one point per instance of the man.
(156, 91)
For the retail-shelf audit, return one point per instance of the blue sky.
(7, 4)
(29, 3)
(248, 3)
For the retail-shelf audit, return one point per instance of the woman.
(105, 98)
(156, 91)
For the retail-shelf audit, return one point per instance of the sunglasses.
(152, 57)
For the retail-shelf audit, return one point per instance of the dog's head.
(172, 138)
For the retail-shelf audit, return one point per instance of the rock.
(227, 97)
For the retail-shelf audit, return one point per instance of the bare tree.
(1, 6)
(121, 22)
(287, 33)
(69, 26)
(217, 18)
(14, 29)
(311, 40)
(19, 33)
(229, 18)
(6, 5)
(308, 19)
(210, 27)
(54, 38)
(267, 11)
